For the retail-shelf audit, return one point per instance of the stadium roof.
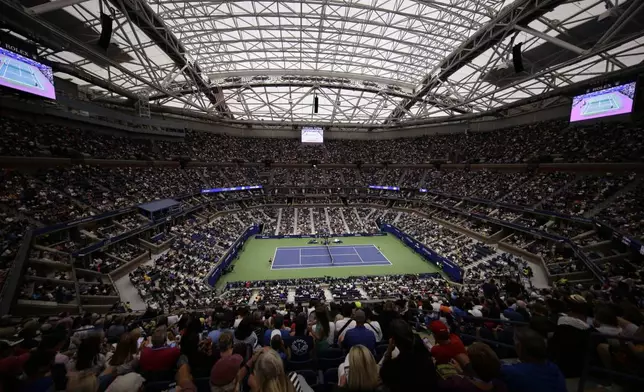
(371, 63)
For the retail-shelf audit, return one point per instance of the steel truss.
(371, 63)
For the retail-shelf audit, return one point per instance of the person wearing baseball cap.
(224, 372)
(448, 345)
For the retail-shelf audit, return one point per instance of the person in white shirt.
(345, 316)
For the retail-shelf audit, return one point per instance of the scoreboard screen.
(606, 102)
(312, 135)
(21, 69)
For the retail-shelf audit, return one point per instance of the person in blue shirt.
(534, 373)
(359, 334)
(278, 325)
(221, 323)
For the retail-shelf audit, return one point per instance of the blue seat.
(328, 363)
(300, 365)
(331, 376)
(310, 376)
(331, 353)
(380, 351)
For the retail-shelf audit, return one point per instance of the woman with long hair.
(268, 374)
(244, 332)
(125, 359)
(321, 331)
(412, 369)
(88, 356)
(362, 372)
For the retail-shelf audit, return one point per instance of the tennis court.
(602, 103)
(19, 73)
(327, 256)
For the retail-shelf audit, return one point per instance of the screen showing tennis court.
(24, 74)
(603, 103)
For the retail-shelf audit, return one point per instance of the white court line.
(274, 257)
(300, 256)
(324, 247)
(381, 254)
(360, 257)
(344, 254)
(332, 266)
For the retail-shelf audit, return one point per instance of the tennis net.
(328, 249)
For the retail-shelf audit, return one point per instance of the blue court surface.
(319, 257)
(19, 73)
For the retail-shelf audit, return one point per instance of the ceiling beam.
(521, 12)
(53, 6)
(143, 17)
(316, 84)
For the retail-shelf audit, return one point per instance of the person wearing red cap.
(448, 345)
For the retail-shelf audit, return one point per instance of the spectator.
(484, 369)
(244, 332)
(115, 330)
(448, 346)
(277, 344)
(300, 344)
(570, 337)
(278, 325)
(362, 372)
(371, 324)
(159, 357)
(387, 315)
(222, 377)
(534, 373)
(89, 357)
(126, 358)
(322, 330)
(412, 369)
(359, 335)
(222, 322)
(268, 374)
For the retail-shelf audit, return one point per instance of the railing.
(14, 279)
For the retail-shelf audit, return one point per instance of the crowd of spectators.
(320, 223)
(554, 139)
(353, 220)
(287, 223)
(548, 330)
(586, 193)
(11, 232)
(625, 213)
(273, 295)
(336, 220)
(52, 351)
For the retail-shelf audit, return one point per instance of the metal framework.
(371, 63)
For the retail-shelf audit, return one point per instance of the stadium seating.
(495, 225)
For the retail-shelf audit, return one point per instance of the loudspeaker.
(516, 58)
(106, 31)
(315, 104)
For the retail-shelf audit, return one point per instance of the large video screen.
(603, 103)
(24, 74)
(312, 135)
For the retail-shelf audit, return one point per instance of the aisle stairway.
(279, 222)
(629, 187)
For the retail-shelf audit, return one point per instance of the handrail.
(16, 274)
